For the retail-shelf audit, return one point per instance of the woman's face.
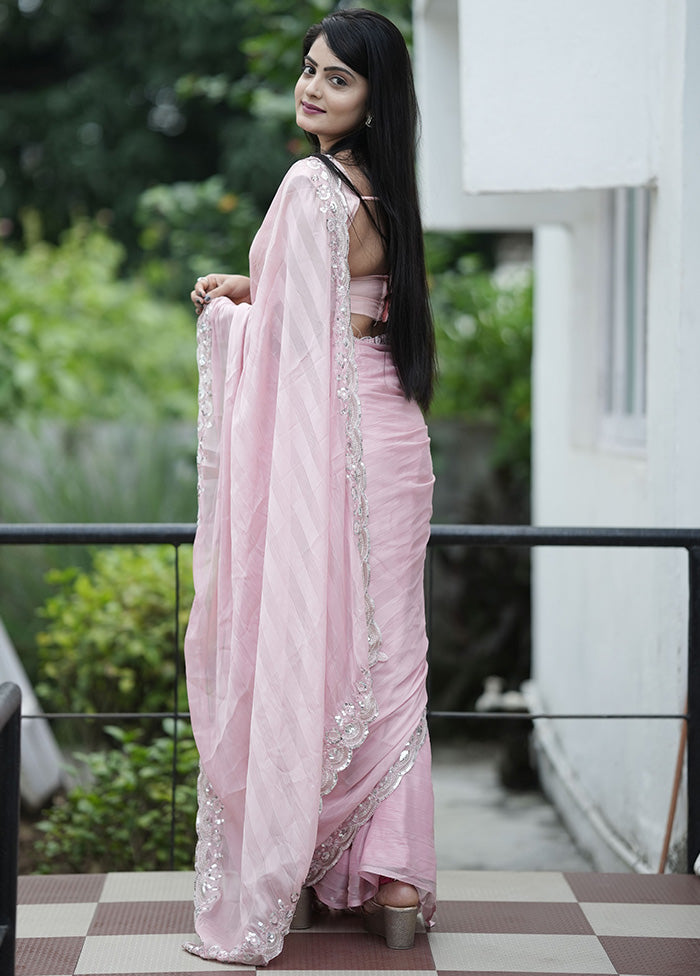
(330, 98)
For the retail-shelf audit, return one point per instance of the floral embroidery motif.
(327, 854)
(263, 941)
(378, 340)
(209, 849)
(352, 722)
(206, 394)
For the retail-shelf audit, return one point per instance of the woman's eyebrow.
(338, 67)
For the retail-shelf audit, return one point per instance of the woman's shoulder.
(313, 170)
(307, 182)
(305, 172)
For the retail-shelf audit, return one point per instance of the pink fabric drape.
(305, 650)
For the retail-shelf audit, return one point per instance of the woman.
(306, 644)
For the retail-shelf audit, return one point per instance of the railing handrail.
(182, 533)
(89, 533)
(527, 536)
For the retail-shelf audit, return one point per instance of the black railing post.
(10, 720)
(693, 707)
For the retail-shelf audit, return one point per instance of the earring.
(369, 120)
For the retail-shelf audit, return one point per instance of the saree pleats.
(305, 651)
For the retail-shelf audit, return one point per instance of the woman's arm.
(234, 287)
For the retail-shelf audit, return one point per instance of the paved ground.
(515, 898)
(481, 826)
(490, 923)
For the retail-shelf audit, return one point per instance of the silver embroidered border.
(351, 724)
(208, 855)
(205, 397)
(328, 853)
(263, 940)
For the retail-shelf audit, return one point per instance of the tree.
(102, 99)
(92, 111)
(85, 345)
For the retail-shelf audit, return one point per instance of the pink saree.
(305, 650)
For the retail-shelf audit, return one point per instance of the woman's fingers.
(205, 288)
(232, 286)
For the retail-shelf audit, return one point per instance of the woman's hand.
(234, 287)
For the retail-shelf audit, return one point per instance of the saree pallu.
(305, 650)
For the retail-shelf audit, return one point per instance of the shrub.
(484, 340)
(118, 819)
(191, 229)
(108, 643)
(78, 344)
(58, 472)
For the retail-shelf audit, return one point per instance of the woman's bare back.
(366, 253)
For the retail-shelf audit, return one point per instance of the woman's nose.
(312, 87)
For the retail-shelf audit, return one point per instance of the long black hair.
(385, 151)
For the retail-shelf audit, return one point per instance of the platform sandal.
(397, 926)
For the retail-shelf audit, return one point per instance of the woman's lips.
(311, 109)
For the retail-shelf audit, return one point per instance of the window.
(624, 366)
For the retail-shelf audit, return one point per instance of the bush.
(191, 229)
(484, 340)
(105, 472)
(108, 645)
(78, 344)
(119, 820)
(481, 596)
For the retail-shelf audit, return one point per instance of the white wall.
(577, 94)
(609, 626)
(444, 201)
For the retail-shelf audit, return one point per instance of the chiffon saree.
(305, 651)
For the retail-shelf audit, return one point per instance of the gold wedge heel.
(303, 913)
(397, 926)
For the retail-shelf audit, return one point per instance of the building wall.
(609, 625)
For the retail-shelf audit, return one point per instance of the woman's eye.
(338, 81)
(307, 69)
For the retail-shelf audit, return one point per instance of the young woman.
(306, 644)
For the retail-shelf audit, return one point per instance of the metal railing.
(10, 710)
(177, 534)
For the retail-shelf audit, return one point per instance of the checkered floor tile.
(491, 923)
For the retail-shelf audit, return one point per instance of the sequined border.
(351, 724)
(208, 853)
(263, 940)
(328, 853)
(205, 397)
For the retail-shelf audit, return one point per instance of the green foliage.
(89, 116)
(118, 817)
(100, 101)
(76, 343)
(484, 340)
(108, 642)
(190, 229)
(104, 472)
